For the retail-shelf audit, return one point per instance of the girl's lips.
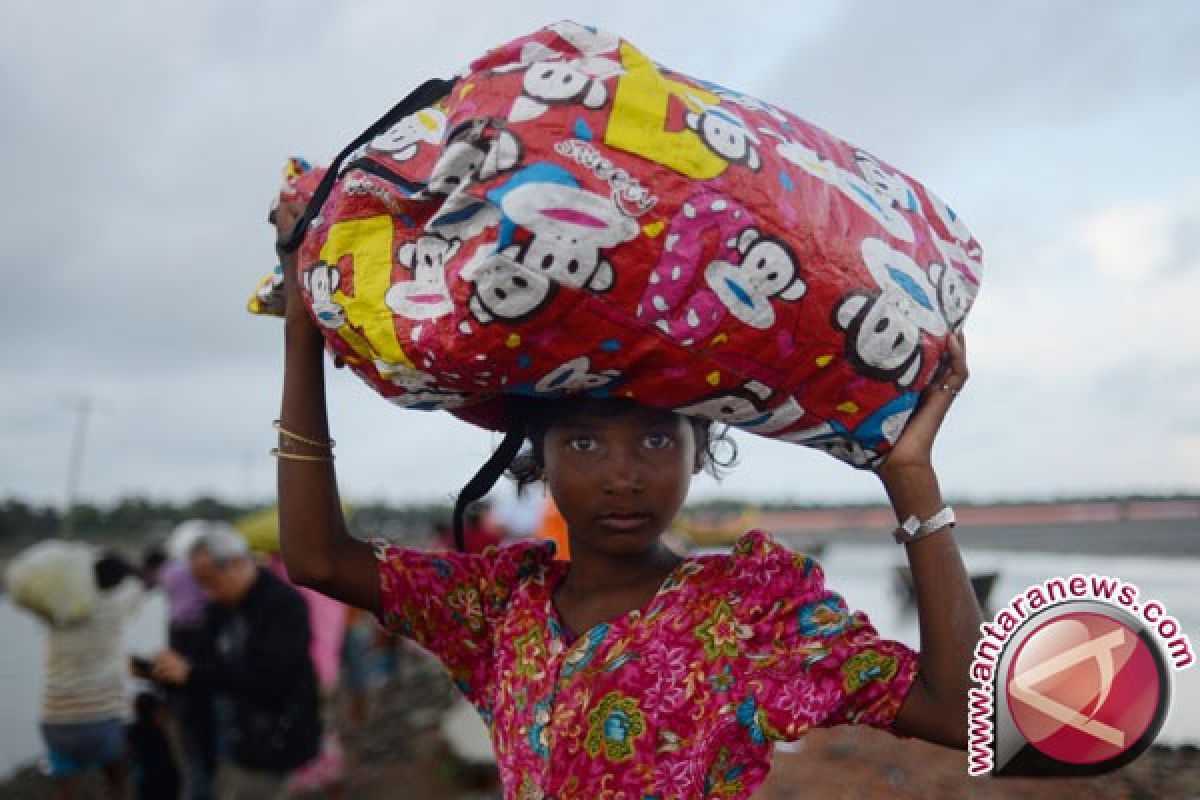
(624, 522)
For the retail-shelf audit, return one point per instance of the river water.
(862, 574)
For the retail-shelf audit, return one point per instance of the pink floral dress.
(680, 699)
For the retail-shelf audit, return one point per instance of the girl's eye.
(657, 441)
(582, 444)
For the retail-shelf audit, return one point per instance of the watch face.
(907, 529)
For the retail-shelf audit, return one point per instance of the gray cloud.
(1183, 246)
(971, 70)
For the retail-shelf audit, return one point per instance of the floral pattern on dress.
(681, 699)
(613, 726)
(531, 653)
(584, 651)
(721, 633)
(865, 667)
(539, 734)
(824, 618)
(724, 778)
(465, 602)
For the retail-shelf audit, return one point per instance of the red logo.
(1083, 688)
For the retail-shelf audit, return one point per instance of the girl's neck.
(592, 571)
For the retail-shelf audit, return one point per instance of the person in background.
(154, 558)
(259, 630)
(155, 771)
(194, 711)
(478, 531)
(327, 622)
(84, 705)
(356, 669)
(327, 626)
(517, 511)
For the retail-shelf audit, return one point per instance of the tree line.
(143, 517)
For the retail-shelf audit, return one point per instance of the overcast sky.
(142, 143)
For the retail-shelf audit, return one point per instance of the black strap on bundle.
(423, 96)
(486, 478)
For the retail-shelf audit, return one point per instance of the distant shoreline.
(1153, 539)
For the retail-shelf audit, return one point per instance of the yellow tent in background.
(261, 528)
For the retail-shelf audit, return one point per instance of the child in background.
(84, 705)
(155, 771)
(629, 670)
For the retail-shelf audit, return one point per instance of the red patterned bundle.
(575, 218)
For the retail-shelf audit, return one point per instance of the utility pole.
(82, 410)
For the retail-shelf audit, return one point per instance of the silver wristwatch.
(912, 528)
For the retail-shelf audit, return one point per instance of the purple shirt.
(185, 598)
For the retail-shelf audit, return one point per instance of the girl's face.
(618, 479)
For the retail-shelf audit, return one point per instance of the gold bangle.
(303, 439)
(275, 451)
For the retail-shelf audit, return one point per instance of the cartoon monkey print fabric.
(574, 217)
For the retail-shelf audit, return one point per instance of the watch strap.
(912, 528)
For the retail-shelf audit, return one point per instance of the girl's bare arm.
(947, 612)
(317, 548)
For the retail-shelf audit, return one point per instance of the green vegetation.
(143, 518)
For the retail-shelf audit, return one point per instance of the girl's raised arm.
(947, 612)
(317, 548)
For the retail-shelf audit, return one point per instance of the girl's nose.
(619, 483)
(623, 472)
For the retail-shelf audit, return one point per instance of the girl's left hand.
(915, 446)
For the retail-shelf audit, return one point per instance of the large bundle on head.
(569, 216)
(55, 580)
